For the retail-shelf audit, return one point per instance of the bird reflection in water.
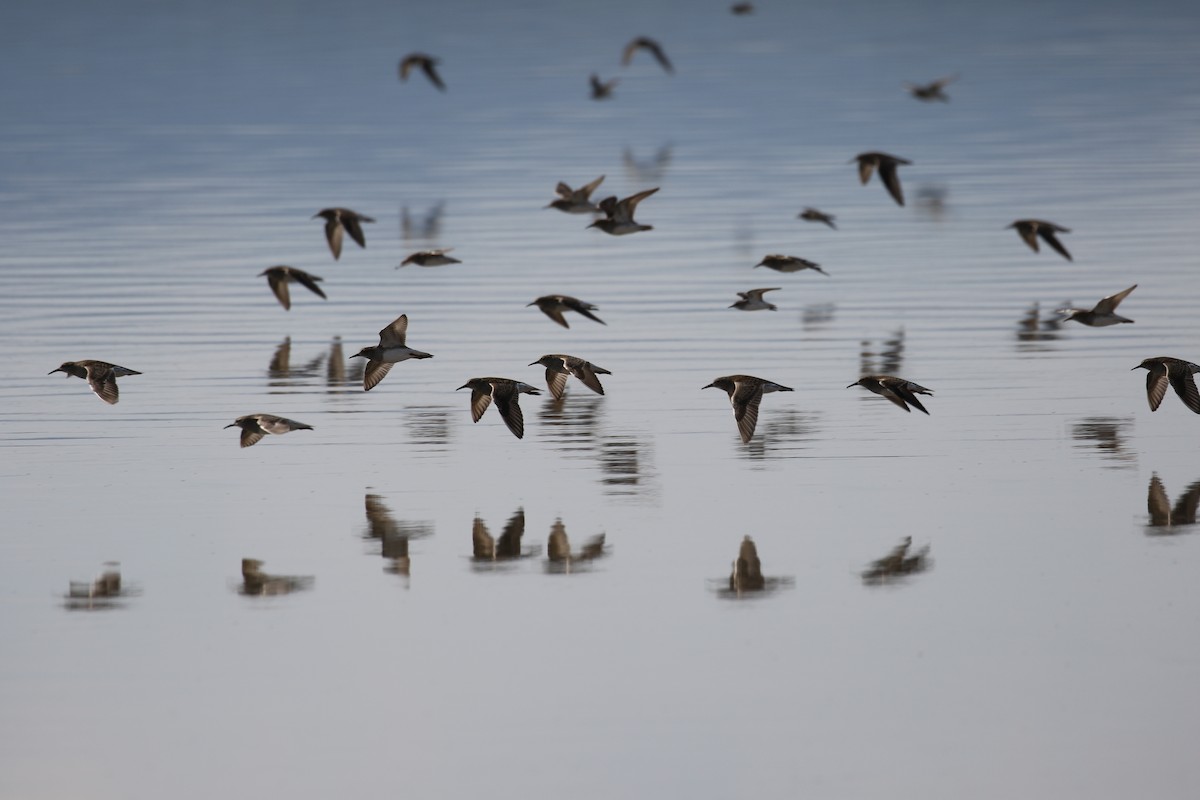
(747, 579)
(887, 359)
(897, 564)
(1166, 520)
(1033, 330)
(559, 557)
(257, 583)
(1106, 435)
(817, 315)
(393, 536)
(573, 421)
(342, 376)
(429, 227)
(428, 426)
(931, 200)
(282, 373)
(101, 594)
(621, 464)
(651, 170)
(489, 552)
(783, 435)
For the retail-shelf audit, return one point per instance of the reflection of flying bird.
(256, 426)
(931, 91)
(752, 300)
(391, 350)
(553, 306)
(430, 258)
(897, 563)
(747, 569)
(1103, 314)
(427, 64)
(601, 90)
(100, 375)
(782, 263)
(886, 164)
(1162, 515)
(745, 393)
(337, 222)
(487, 548)
(816, 215)
(901, 392)
(576, 201)
(1031, 229)
(558, 548)
(279, 277)
(507, 394)
(649, 45)
(741, 9)
(559, 366)
(650, 170)
(1162, 370)
(619, 214)
(255, 581)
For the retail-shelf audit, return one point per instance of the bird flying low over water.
(745, 393)
(782, 263)
(752, 300)
(815, 215)
(256, 426)
(901, 392)
(430, 258)
(601, 90)
(928, 92)
(337, 222)
(391, 350)
(1103, 314)
(506, 392)
(619, 214)
(886, 164)
(100, 375)
(427, 64)
(1031, 229)
(553, 306)
(650, 46)
(559, 366)
(279, 277)
(576, 201)
(1162, 370)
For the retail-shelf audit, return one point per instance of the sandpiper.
(559, 366)
(430, 258)
(752, 300)
(747, 569)
(338, 221)
(553, 306)
(601, 90)
(100, 375)
(619, 214)
(745, 393)
(427, 64)
(782, 263)
(256, 426)
(506, 392)
(816, 215)
(901, 392)
(886, 164)
(649, 45)
(279, 277)
(1163, 370)
(576, 201)
(1031, 229)
(928, 92)
(390, 350)
(1103, 314)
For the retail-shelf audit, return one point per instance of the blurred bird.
(337, 222)
(742, 9)
(752, 300)
(100, 375)
(507, 394)
(901, 392)
(279, 277)
(928, 92)
(427, 64)
(898, 563)
(559, 366)
(782, 263)
(886, 164)
(1031, 229)
(747, 569)
(601, 90)
(813, 215)
(745, 393)
(1103, 314)
(256, 426)
(430, 258)
(391, 350)
(1162, 370)
(619, 219)
(553, 306)
(649, 45)
(576, 201)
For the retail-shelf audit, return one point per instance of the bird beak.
(1139, 366)
(230, 425)
(711, 385)
(60, 369)
(534, 303)
(357, 355)
(534, 362)
(852, 385)
(464, 386)
(593, 225)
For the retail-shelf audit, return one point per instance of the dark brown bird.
(559, 366)
(928, 92)
(576, 201)
(427, 64)
(553, 306)
(901, 392)
(337, 222)
(507, 394)
(1103, 314)
(601, 90)
(100, 375)
(1031, 229)
(649, 45)
(256, 426)
(745, 394)
(886, 164)
(1163, 370)
(814, 215)
(619, 214)
(279, 277)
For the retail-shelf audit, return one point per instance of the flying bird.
(1031, 229)
(782, 263)
(559, 366)
(601, 90)
(576, 201)
(814, 215)
(100, 375)
(752, 300)
(337, 222)
(869, 162)
(745, 393)
(427, 64)
(1162, 370)
(901, 392)
(506, 393)
(391, 350)
(649, 45)
(619, 214)
(553, 306)
(928, 92)
(1103, 314)
(256, 426)
(430, 258)
(279, 277)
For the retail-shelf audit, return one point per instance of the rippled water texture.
(994, 600)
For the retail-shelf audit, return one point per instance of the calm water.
(154, 161)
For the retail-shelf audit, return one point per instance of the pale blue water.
(154, 160)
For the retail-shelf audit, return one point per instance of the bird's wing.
(1109, 304)
(393, 335)
(307, 281)
(375, 372)
(1156, 385)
